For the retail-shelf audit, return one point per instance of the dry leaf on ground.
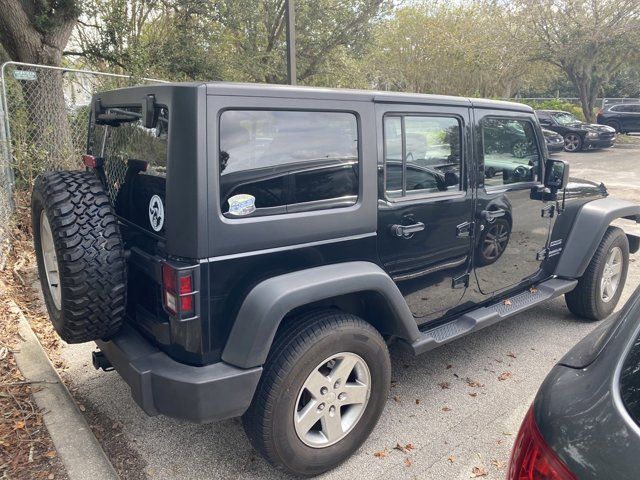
(478, 472)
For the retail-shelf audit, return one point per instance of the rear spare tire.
(80, 255)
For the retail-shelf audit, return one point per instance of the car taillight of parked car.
(177, 290)
(532, 459)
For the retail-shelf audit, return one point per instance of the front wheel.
(599, 289)
(323, 389)
(572, 142)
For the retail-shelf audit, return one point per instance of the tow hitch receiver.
(100, 361)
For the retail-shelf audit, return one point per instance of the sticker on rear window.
(242, 204)
(156, 213)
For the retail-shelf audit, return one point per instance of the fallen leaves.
(511, 354)
(498, 464)
(381, 453)
(504, 376)
(407, 462)
(446, 409)
(533, 290)
(451, 458)
(417, 401)
(50, 454)
(407, 448)
(506, 301)
(396, 398)
(478, 472)
(474, 383)
(444, 385)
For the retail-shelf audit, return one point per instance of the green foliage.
(554, 104)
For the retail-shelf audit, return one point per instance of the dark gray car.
(585, 420)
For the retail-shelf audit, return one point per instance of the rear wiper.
(117, 115)
(126, 113)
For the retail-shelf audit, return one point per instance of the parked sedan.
(623, 117)
(577, 134)
(554, 141)
(585, 421)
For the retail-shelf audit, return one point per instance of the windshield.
(564, 118)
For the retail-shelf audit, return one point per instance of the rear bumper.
(161, 385)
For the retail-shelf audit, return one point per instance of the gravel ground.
(459, 406)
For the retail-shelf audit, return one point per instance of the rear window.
(630, 382)
(274, 162)
(135, 163)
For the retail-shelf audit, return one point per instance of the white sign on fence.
(25, 75)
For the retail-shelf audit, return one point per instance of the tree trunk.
(26, 38)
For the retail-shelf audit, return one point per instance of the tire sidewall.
(37, 207)
(296, 455)
(606, 308)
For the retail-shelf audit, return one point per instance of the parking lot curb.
(75, 443)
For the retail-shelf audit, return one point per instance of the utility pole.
(290, 18)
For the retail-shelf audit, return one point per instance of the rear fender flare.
(269, 302)
(589, 226)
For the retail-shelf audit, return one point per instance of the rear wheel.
(572, 142)
(323, 389)
(599, 289)
(80, 255)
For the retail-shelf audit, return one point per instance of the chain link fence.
(44, 114)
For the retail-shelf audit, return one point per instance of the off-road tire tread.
(90, 254)
(581, 301)
(289, 345)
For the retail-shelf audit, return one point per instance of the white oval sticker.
(242, 204)
(156, 213)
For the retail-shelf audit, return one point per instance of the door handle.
(407, 231)
(491, 215)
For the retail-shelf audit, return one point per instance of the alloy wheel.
(571, 142)
(495, 241)
(332, 400)
(611, 275)
(50, 260)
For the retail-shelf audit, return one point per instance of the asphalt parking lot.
(459, 406)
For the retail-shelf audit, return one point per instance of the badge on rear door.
(156, 213)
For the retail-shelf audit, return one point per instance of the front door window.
(512, 229)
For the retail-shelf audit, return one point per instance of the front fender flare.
(589, 226)
(268, 302)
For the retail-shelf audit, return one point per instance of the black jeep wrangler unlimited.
(252, 250)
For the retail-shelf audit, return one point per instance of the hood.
(579, 188)
(592, 127)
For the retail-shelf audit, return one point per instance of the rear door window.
(422, 155)
(135, 163)
(274, 161)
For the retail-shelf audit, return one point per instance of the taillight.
(90, 161)
(178, 290)
(532, 459)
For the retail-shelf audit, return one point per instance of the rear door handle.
(491, 215)
(407, 231)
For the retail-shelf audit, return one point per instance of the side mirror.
(556, 174)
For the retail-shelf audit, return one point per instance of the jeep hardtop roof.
(320, 93)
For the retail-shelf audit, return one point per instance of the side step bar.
(485, 316)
